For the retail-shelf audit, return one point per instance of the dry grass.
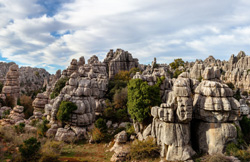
(85, 152)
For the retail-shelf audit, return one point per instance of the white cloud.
(164, 29)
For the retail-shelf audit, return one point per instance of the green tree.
(1, 87)
(141, 97)
(29, 150)
(237, 95)
(177, 62)
(65, 110)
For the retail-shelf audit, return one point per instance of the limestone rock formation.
(119, 148)
(17, 115)
(39, 104)
(215, 109)
(171, 122)
(119, 60)
(12, 87)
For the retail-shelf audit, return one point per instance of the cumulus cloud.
(45, 34)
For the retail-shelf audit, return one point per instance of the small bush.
(42, 128)
(177, 73)
(120, 98)
(9, 101)
(123, 75)
(30, 150)
(5, 113)
(58, 87)
(109, 113)
(19, 128)
(97, 135)
(51, 151)
(122, 115)
(101, 125)
(230, 85)
(130, 129)
(65, 110)
(144, 149)
(177, 63)
(237, 95)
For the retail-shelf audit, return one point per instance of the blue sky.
(49, 33)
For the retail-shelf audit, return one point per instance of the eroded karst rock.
(119, 60)
(171, 123)
(12, 87)
(215, 110)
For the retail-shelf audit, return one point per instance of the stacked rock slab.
(17, 115)
(215, 110)
(119, 148)
(119, 60)
(86, 88)
(39, 104)
(171, 122)
(11, 87)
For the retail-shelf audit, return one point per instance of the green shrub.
(113, 86)
(133, 71)
(19, 128)
(101, 125)
(120, 98)
(200, 79)
(122, 115)
(237, 95)
(42, 128)
(230, 85)
(144, 149)
(245, 127)
(65, 110)
(30, 150)
(6, 113)
(141, 97)
(109, 114)
(9, 101)
(51, 151)
(177, 73)
(177, 63)
(130, 129)
(58, 87)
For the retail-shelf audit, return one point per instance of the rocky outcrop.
(216, 109)
(11, 87)
(171, 122)
(119, 60)
(39, 105)
(17, 115)
(86, 88)
(32, 79)
(120, 149)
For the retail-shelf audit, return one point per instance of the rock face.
(171, 123)
(17, 115)
(121, 151)
(86, 88)
(32, 79)
(11, 87)
(119, 60)
(215, 109)
(39, 104)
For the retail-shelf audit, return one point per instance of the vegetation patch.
(58, 87)
(65, 110)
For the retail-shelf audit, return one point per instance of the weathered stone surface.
(17, 114)
(66, 135)
(213, 137)
(11, 86)
(119, 61)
